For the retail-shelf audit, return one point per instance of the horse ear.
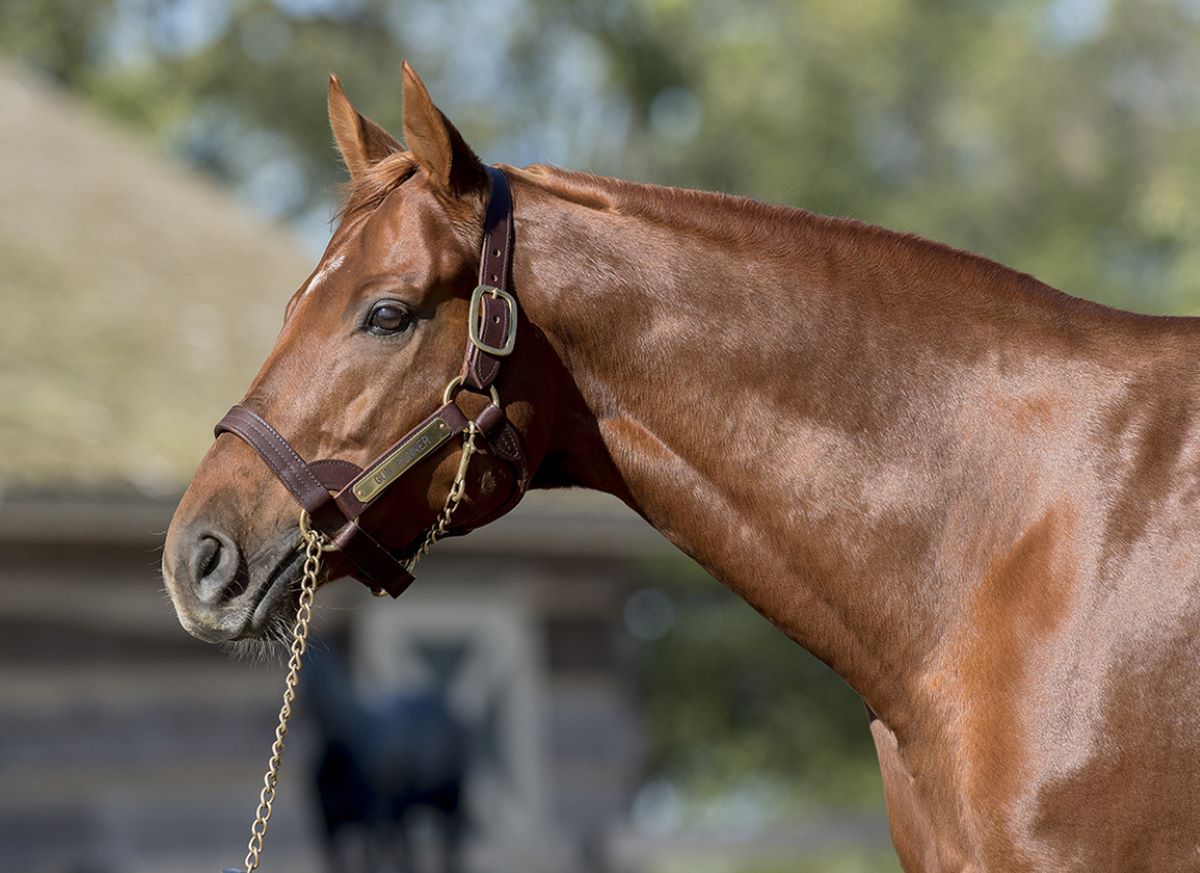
(435, 143)
(361, 141)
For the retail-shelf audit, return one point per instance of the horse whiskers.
(272, 647)
(273, 644)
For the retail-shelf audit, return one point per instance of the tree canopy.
(1056, 136)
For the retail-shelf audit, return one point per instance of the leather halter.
(337, 493)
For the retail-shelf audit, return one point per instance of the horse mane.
(737, 219)
(783, 231)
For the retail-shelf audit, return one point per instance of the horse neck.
(846, 426)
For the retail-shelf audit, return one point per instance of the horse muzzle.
(219, 595)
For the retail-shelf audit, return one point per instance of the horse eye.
(388, 318)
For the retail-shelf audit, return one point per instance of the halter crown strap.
(493, 308)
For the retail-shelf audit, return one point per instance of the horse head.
(370, 361)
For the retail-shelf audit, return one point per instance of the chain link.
(442, 524)
(315, 543)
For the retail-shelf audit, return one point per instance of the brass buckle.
(474, 320)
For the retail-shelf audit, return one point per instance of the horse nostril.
(214, 564)
(208, 556)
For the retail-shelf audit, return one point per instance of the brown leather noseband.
(337, 494)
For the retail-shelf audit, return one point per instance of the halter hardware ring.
(453, 386)
(475, 321)
(307, 532)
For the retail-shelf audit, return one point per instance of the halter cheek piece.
(339, 496)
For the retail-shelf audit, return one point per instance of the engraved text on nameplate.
(416, 447)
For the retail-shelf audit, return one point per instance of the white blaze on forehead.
(322, 274)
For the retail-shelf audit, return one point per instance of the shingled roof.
(137, 300)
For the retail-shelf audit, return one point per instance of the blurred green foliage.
(736, 707)
(1057, 136)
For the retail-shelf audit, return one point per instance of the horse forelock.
(367, 189)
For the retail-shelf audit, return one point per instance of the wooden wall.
(127, 745)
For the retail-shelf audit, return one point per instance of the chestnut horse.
(971, 495)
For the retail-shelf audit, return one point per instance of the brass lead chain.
(453, 499)
(314, 544)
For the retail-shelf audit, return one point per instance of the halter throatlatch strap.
(336, 493)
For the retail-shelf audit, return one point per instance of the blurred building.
(136, 301)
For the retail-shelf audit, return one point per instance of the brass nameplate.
(413, 449)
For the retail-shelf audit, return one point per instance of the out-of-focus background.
(166, 181)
